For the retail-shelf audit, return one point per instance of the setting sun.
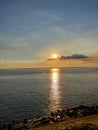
(55, 56)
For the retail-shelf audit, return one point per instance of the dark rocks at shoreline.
(55, 116)
(79, 111)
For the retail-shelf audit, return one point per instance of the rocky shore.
(54, 117)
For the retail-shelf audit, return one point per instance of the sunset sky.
(32, 30)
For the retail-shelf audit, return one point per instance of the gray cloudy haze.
(34, 30)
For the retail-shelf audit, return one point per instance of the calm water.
(26, 93)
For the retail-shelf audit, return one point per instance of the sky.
(32, 30)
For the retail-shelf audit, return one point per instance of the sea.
(33, 93)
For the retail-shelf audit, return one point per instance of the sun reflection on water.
(55, 90)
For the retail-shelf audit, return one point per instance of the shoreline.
(55, 117)
(80, 123)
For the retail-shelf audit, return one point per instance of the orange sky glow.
(89, 62)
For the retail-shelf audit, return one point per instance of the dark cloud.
(74, 56)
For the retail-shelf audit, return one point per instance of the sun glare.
(55, 56)
(55, 96)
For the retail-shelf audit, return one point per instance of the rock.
(56, 116)
(41, 121)
(9, 126)
(25, 121)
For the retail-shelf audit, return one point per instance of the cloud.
(74, 56)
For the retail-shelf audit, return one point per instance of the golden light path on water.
(55, 97)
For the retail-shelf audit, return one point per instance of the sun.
(54, 56)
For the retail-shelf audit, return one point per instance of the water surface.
(26, 93)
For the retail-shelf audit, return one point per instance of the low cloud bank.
(74, 56)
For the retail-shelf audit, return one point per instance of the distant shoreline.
(47, 68)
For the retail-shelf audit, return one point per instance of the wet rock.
(81, 111)
(25, 121)
(41, 121)
(45, 120)
(9, 126)
(55, 113)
